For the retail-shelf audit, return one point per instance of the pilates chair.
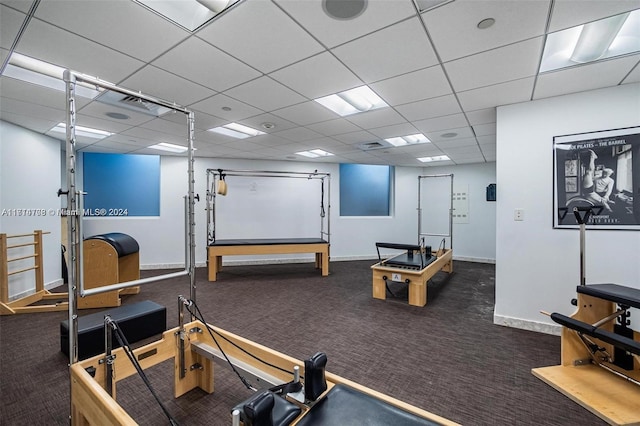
(109, 259)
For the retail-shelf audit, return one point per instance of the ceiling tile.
(377, 56)
(499, 94)
(569, 13)
(266, 94)
(376, 118)
(10, 23)
(125, 26)
(298, 134)
(356, 137)
(441, 123)
(28, 121)
(206, 65)
(56, 46)
(27, 109)
(258, 122)
(236, 110)
(429, 108)
(414, 86)
(481, 116)
(484, 129)
(507, 63)
(437, 137)
(331, 32)
(403, 129)
(324, 70)
(585, 77)
(453, 27)
(334, 127)
(261, 35)
(164, 85)
(306, 113)
(633, 76)
(99, 110)
(28, 92)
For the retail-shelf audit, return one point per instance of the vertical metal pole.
(180, 333)
(329, 210)
(583, 261)
(451, 215)
(72, 234)
(108, 360)
(419, 211)
(190, 209)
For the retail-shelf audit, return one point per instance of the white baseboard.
(540, 327)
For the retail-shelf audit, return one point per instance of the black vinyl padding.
(280, 411)
(346, 406)
(614, 339)
(613, 292)
(315, 382)
(398, 246)
(418, 261)
(267, 241)
(137, 321)
(123, 244)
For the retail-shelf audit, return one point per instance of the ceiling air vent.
(132, 103)
(368, 146)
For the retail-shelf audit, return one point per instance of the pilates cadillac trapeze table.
(220, 248)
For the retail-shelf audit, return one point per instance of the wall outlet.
(518, 214)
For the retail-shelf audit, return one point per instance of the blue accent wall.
(122, 182)
(365, 190)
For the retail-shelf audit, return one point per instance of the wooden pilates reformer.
(419, 263)
(26, 304)
(217, 248)
(600, 352)
(415, 267)
(194, 352)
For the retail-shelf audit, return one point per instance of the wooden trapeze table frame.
(609, 396)
(417, 278)
(91, 404)
(215, 254)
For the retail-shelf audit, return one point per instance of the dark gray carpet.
(448, 357)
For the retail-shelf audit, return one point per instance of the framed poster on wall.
(599, 169)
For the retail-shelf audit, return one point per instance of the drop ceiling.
(261, 63)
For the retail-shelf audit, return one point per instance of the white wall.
(297, 210)
(30, 179)
(537, 267)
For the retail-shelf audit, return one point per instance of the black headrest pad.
(123, 244)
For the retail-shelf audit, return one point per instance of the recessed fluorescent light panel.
(236, 130)
(314, 153)
(169, 147)
(41, 73)
(607, 38)
(189, 14)
(352, 101)
(432, 159)
(82, 131)
(408, 140)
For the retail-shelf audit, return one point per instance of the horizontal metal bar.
(268, 173)
(110, 86)
(103, 289)
(434, 235)
(435, 176)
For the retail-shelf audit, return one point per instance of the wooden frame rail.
(92, 405)
(215, 253)
(25, 304)
(417, 279)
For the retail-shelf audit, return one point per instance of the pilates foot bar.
(600, 354)
(221, 248)
(192, 368)
(414, 269)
